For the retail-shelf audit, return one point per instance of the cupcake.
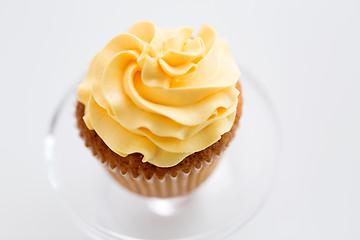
(159, 106)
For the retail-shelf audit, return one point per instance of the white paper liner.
(169, 186)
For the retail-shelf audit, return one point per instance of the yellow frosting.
(161, 92)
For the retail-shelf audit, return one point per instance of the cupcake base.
(168, 186)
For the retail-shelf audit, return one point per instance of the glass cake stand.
(233, 194)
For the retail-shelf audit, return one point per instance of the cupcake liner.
(169, 186)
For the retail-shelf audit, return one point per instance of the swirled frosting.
(161, 92)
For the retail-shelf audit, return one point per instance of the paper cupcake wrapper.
(169, 186)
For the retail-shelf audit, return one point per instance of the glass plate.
(234, 193)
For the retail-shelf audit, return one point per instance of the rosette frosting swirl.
(161, 92)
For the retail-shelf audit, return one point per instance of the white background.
(305, 54)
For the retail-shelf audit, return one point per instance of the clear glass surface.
(233, 194)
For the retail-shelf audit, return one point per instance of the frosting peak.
(161, 92)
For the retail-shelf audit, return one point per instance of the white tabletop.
(305, 54)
